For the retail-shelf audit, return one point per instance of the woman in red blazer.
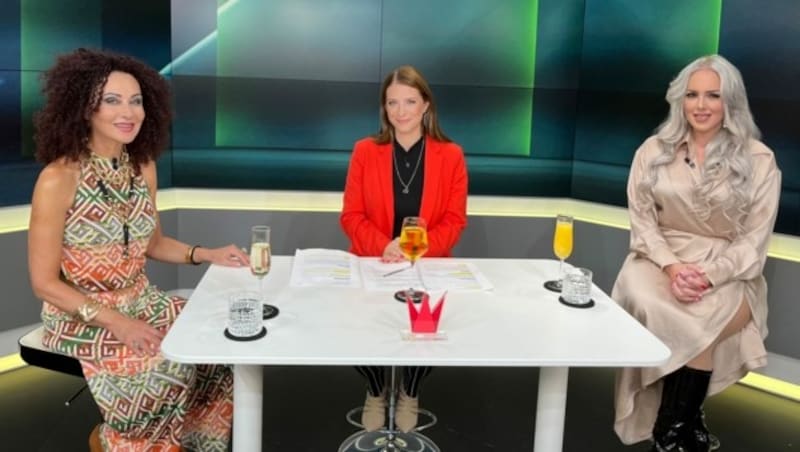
(409, 168)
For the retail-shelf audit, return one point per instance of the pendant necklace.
(116, 178)
(413, 173)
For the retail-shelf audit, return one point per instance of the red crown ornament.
(424, 320)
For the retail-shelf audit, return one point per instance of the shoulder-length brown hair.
(409, 76)
(73, 88)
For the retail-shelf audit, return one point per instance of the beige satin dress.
(672, 233)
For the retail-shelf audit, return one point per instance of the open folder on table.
(327, 267)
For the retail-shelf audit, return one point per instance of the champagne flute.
(413, 244)
(562, 248)
(260, 260)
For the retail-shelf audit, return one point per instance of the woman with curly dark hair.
(93, 224)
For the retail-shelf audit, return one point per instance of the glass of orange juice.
(562, 248)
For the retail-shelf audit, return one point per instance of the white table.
(518, 324)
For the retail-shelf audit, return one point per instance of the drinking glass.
(245, 316)
(413, 244)
(577, 288)
(260, 260)
(562, 248)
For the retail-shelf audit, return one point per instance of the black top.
(408, 171)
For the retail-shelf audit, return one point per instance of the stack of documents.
(325, 267)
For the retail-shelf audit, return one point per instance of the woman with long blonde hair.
(702, 198)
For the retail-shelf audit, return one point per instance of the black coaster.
(258, 335)
(270, 312)
(575, 305)
(553, 286)
(416, 297)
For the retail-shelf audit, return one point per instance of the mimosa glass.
(562, 248)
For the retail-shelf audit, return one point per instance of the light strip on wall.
(772, 385)
(11, 362)
(12, 219)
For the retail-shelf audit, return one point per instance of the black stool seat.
(34, 353)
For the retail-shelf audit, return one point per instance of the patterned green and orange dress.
(147, 403)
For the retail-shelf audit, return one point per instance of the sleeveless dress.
(147, 403)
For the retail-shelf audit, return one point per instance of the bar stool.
(389, 439)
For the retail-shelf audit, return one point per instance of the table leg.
(551, 409)
(248, 400)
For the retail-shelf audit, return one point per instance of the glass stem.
(560, 270)
(261, 288)
(421, 281)
(410, 292)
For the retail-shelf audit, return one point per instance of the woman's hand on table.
(392, 252)
(228, 256)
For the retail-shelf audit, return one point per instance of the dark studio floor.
(480, 410)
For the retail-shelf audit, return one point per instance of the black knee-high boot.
(682, 396)
(700, 439)
(701, 433)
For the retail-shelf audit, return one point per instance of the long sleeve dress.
(148, 403)
(671, 232)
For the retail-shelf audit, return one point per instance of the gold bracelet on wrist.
(188, 256)
(88, 311)
(190, 259)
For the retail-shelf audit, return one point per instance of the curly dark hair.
(73, 88)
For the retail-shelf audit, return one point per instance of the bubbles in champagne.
(260, 258)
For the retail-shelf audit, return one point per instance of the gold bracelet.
(188, 256)
(88, 311)
(191, 255)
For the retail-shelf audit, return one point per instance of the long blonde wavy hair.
(727, 155)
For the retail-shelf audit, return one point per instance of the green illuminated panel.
(49, 29)
(631, 45)
(463, 42)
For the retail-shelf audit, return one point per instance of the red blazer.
(368, 212)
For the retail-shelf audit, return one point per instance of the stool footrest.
(385, 441)
(432, 419)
